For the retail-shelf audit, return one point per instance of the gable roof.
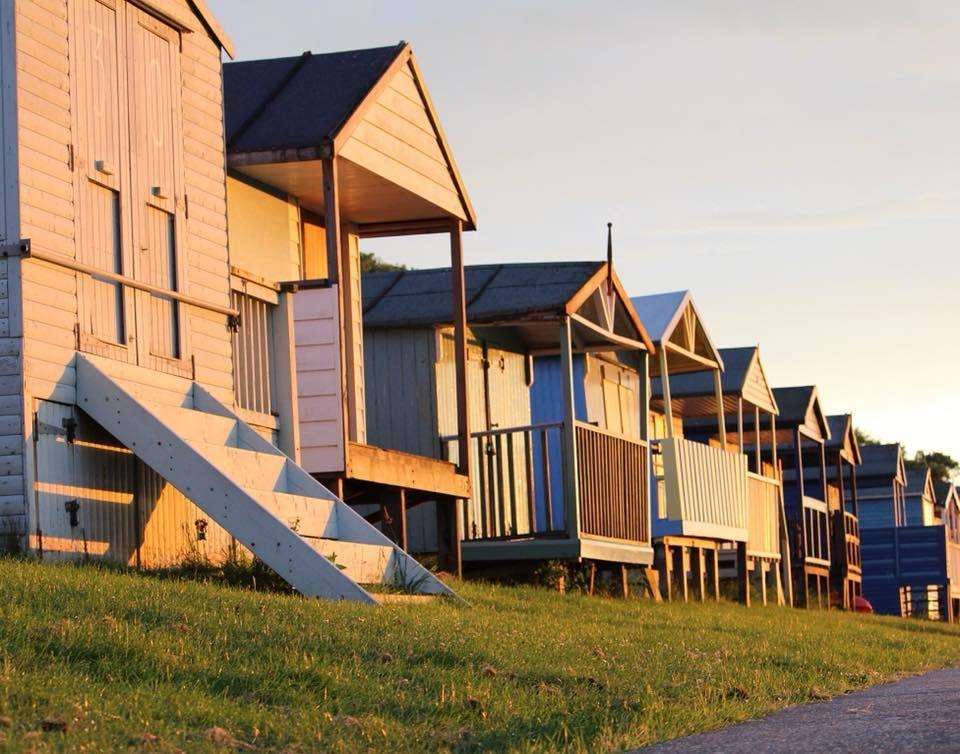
(738, 363)
(307, 106)
(798, 403)
(880, 460)
(186, 20)
(213, 26)
(843, 436)
(298, 102)
(662, 314)
(494, 293)
(947, 494)
(919, 480)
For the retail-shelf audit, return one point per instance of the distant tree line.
(943, 467)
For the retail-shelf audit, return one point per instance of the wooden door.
(101, 173)
(157, 200)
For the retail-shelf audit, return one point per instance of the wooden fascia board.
(675, 319)
(599, 277)
(763, 372)
(214, 27)
(237, 160)
(612, 337)
(715, 352)
(681, 351)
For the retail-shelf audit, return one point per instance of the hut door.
(153, 71)
(101, 156)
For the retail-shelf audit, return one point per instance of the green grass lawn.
(129, 662)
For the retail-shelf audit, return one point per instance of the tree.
(370, 262)
(942, 466)
(864, 438)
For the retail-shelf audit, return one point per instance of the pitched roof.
(879, 460)
(411, 298)
(946, 491)
(298, 102)
(216, 30)
(659, 312)
(917, 479)
(736, 363)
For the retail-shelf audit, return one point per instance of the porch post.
(721, 419)
(459, 288)
(740, 424)
(756, 436)
(665, 384)
(645, 437)
(853, 492)
(331, 208)
(571, 491)
(773, 445)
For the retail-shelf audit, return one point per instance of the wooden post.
(685, 571)
(571, 491)
(593, 578)
(803, 582)
(665, 384)
(700, 569)
(459, 287)
(285, 380)
(331, 207)
(740, 440)
(855, 496)
(624, 581)
(450, 536)
(666, 576)
(645, 437)
(721, 418)
(716, 574)
(758, 452)
(773, 443)
(395, 518)
(743, 573)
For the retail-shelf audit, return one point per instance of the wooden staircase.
(317, 543)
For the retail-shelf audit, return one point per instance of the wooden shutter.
(153, 55)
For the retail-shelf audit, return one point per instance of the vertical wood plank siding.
(58, 145)
(763, 524)
(613, 487)
(252, 353)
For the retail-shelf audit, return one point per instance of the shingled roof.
(736, 363)
(659, 311)
(411, 298)
(879, 461)
(299, 102)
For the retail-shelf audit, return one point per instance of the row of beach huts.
(193, 364)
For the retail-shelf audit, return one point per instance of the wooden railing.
(612, 485)
(253, 363)
(517, 476)
(763, 520)
(705, 488)
(817, 528)
(953, 564)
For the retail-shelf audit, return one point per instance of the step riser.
(365, 564)
(308, 517)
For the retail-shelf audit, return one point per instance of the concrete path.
(916, 714)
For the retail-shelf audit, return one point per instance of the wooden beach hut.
(699, 490)
(920, 497)
(750, 411)
(843, 459)
(802, 434)
(559, 458)
(881, 486)
(123, 435)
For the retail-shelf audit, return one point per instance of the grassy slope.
(121, 655)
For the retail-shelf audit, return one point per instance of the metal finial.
(609, 258)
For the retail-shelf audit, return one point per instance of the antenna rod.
(609, 258)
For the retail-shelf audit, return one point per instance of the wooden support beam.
(740, 440)
(758, 453)
(743, 574)
(450, 535)
(700, 569)
(394, 517)
(624, 581)
(716, 574)
(592, 585)
(666, 572)
(665, 384)
(571, 491)
(684, 553)
(718, 395)
(464, 446)
(285, 378)
(645, 437)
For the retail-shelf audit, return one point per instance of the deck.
(393, 468)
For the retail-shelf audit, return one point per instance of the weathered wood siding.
(397, 141)
(320, 398)
(264, 232)
(120, 145)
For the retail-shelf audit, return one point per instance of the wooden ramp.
(271, 505)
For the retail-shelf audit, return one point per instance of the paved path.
(917, 714)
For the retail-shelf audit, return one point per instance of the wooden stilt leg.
(716, 574)
(743, 574)
(666, 575)
(685, 572)
(624, 581)
(781, 600)
(763, 581)
(593, 578)
(449, 536)
(653, 583)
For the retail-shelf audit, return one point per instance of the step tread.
(310, 517)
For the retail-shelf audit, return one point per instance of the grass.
(129, 662)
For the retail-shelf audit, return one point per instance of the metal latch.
(73, 508)
(19, 249)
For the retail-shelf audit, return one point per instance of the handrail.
(114, 277)
(504, 430)
(607, 433)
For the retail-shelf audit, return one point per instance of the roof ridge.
(398, 48)
(268, 100)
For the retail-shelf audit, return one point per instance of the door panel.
(100, 153)
(157, 195)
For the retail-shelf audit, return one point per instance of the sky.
(794, 164)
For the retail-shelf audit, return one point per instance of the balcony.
(702, 491)
(816, 532)
(763, 516)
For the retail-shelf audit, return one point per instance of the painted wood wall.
(72, 142)
(264, 232)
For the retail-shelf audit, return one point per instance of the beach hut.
(750, 411)
(920, 497)
(125, 430)
(699, 490)
(559, 456)
(881, 486)
(843, 459)
(802, 434)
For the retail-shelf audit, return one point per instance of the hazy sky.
(794, 163)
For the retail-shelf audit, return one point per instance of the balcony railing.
(612, 480)
(847, 539)
(253, 362)
(763, 521)
(704, 489)
(816, 525)
(953, 563)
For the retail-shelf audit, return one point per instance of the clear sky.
(794, 164)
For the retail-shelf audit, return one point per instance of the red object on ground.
(862, 605)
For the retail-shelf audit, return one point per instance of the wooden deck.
(392, 468)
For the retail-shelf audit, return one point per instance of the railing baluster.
(547, 486)
(531, 483)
